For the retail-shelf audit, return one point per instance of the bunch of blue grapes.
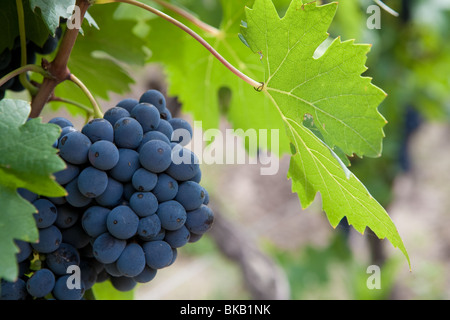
(133, 199)
(10, 59)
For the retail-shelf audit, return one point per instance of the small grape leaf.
(27, 160)
(330, 90)
(53, 10)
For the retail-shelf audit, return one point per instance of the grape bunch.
(10, 59)
(133, 199)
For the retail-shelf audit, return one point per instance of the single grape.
(144, 203)
(66, 289)
(155, 156)
(114, 114)
(47, 213)
(185, 164)
(165, 128)
(127, 104)
(66, 175)
(27, 194)
(132, 260)
(24, 250)
(197, 178)
(147, 115)
(65, 131)
(67, 216)
(13, 290)
(172, 215)
(112, 195)
(177, 238)
(149, 227)
(58, 201)
(155, 98)
(200, 220)
(103, 155)
(166, 188)
(191, 195)
(74, 196)
(98, 129)
(126, 166)
(144, 180)
(122, 222)
(182, 131)
(166, 114)
(50, 239)
(206, 201)
(94, 220)
(61, 121)
(74, 147)
(153, 135)
(194, 237)
(147, 275)
(59, 260)
(123, 283)
(158, 254)
(92, 182)
(112, 270)
(128, 133)
(107, 248)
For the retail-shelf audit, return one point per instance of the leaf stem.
(97, 111)
(19, 71)
(89, 111)
(23, 48)
(257, 85)
(386, 8)
(188, 16)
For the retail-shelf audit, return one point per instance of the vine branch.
(257, 85)
(58, 67)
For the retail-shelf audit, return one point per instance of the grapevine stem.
(386, 8)
(19, 71)
(58, 67)
(97, 112)
(188, 16)
(23, 48)
(88, 110)
(257, 85)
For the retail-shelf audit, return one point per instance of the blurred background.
(264, 246)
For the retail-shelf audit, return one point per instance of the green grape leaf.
(198, 79)
(27, 160)
(53, 10)
(35, 27)
(329, 90)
